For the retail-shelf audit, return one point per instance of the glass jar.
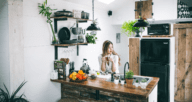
(54, 39)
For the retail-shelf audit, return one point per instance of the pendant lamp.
(93, 26)
(141, 22)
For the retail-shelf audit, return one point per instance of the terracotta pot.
(129, 82)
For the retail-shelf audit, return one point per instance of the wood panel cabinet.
(183, 59)
(134, 44)
(145, 7)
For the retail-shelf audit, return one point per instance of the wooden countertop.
(101, 84)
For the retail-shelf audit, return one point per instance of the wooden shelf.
(66, 45)
(71, 18)
(157, 36)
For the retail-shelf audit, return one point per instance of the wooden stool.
(68, 100)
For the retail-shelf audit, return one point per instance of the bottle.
(71, 68)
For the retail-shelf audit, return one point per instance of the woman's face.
(110, 49)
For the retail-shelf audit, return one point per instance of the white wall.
(124, 13)
(4, 45)
(16, 43)
(165, 9)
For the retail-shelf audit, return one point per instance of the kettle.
(85, 67)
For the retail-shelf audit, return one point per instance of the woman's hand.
(110, 59)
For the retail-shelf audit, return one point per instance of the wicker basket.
(77, 80)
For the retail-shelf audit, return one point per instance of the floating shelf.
(64, 18)
(157, 36)
(66, 46)
(70, 17)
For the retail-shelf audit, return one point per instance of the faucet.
(127, 63)
(112, 76)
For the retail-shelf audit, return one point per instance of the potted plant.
(47, 11)
(136, 83)
(143, 83)
(129, 77)
(128, 29)
(6, 97)
(91, 38)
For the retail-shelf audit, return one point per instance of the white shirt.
(109, 67)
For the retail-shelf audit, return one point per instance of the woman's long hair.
(105, 48)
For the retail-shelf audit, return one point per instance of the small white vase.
(136, 84)
(143, 85)
(116, 81)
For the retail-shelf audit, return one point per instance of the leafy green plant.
(137, 81)
(59, 61)
(91, 38)
(6, 97)
(127, 27)
(143, 80)
(46, 11)
(129, 74)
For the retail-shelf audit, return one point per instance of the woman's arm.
(102, 63)
(114, 64)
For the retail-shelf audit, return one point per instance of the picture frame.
(118, 37)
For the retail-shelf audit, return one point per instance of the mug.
(107, 58)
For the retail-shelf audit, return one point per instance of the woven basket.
(77, 80)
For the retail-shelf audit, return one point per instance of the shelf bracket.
(55, 22)
(56, 51)
(77, 50)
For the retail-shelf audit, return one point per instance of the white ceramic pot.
(136, 84)
(143, 85)
(122, 82)
(116, 81)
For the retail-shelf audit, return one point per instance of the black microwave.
(159, 29)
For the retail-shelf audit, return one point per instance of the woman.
(109, 60)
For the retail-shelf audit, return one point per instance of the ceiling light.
(93, 26)
(106, 1)
(141, 0)
(141, 23)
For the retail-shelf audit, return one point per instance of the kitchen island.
(98, 90)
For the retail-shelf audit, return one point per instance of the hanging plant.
(127, 28)
(91, 38)
(46, 11)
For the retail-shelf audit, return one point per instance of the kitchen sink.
(135, 77)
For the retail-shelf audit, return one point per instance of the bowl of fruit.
(78, 77)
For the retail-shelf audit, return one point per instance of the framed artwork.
(118, 36)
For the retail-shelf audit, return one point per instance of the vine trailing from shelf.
(46, 11)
